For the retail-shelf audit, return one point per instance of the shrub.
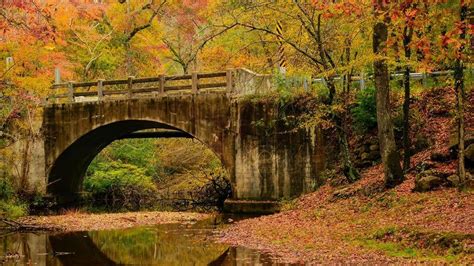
(364, 114)
(119, 185)
(209, 196)
(9, 204)
(12, 209)
(7, 192)
(178, 156)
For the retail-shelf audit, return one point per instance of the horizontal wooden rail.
(156, 84)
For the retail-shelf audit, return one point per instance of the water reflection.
(176, 244)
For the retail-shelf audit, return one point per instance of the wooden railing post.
(70, 91)
(162, 84)
(100, 89)
(194, 84)
(362, 81)
(130, 86)
(57, 75)
(229, 80)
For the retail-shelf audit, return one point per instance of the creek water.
(167, 244)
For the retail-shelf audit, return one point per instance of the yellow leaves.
(50, 47)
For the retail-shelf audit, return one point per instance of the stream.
(166, 244)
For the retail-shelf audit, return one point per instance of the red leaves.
(26, 16)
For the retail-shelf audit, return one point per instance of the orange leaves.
(330, 9)
(431, 27)
(408, 14)
(90, 11)
(187, 14)
(423, 44)
(447, 40)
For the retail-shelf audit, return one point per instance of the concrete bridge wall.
(265, 160)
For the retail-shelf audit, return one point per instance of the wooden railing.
(162, 84)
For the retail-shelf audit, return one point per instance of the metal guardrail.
(362, 79)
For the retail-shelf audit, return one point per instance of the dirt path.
(90, 222)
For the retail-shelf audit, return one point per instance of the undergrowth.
(10, 204)
(411, 243)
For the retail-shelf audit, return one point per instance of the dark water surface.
(169, 244)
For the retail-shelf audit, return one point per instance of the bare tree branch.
(137, 29)
(286, 40)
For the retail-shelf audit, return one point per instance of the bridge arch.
(68, 170)
(76, 133)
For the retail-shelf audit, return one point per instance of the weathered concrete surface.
(271, 159)
(265, 160)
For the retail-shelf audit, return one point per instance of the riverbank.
(365, 223)
(357, 225)
(79, 221)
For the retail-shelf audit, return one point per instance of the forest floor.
(80, 221)
(365, 223)
(391, 226)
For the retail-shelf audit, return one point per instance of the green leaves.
(6, 189)
(364, 114)
(139, 152)
(119, 185)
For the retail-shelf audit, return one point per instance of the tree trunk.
(128, 59)
(185, 68)
(350, 172)
(460, 94)
(406, 120)
(332, 90)
(407, 35)
(388, 150)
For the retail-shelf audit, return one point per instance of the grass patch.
(391, 248)
(399, 250)
(407, 243)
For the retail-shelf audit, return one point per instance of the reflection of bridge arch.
(83, 249)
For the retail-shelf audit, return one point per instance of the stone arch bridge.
(265, 160)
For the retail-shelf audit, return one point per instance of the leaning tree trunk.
(388, 150)
(459, 88)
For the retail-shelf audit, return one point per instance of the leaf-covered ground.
(77, 221)
(363, 223)
(324, 229)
